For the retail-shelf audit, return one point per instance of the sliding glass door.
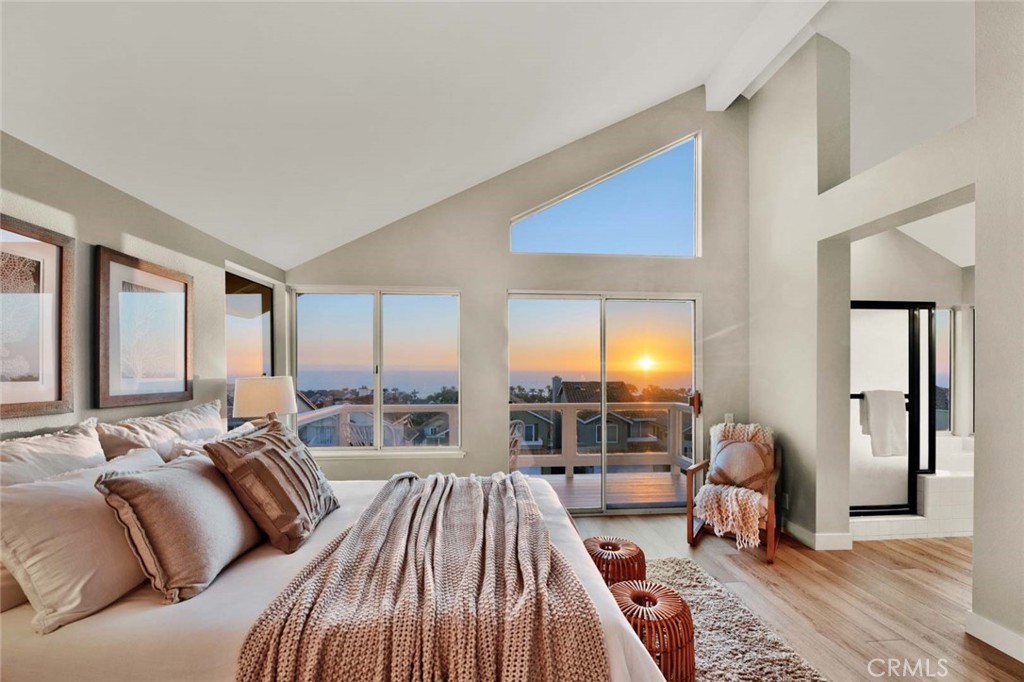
(601, 390)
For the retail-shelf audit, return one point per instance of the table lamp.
(259, 396)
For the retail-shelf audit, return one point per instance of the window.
(943, 369)
(648, 208)
(378, 369)
(530, 433)
(249, 332)
(613, 433)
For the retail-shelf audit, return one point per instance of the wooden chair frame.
(772, 523)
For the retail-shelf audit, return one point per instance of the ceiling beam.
(774, 28)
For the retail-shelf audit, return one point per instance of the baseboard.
(996, 635)
(821, 541)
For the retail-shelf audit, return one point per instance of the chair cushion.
(742, 464)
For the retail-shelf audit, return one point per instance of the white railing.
(327, 426)
(672, 443)
(668, 440)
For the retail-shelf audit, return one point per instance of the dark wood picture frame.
(104, 258)
(64, 341)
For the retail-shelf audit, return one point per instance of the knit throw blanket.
(441, 578)
(731, 510)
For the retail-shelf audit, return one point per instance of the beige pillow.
(194, 423)
(182, 447)
(743, 464)
(11, 594)
(278, 482)
(182, 521)
(64, 547)
(23, 460)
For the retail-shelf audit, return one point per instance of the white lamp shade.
(259, 396)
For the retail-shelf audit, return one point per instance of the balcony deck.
(625, 490)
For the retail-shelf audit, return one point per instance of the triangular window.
(648, 208)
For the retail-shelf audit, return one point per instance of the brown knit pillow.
(278, 483)
(742, 464)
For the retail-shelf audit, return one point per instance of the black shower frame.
(913, 403)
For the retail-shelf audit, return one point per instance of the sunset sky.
(648, 342)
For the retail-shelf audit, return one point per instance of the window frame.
(696, 136)
(257, 278)
(952, 367)
(379, 450)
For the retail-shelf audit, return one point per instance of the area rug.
(731, 643)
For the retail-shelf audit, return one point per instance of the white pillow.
(183, 447)
(23, 460)
(65, 547)
(158, 433)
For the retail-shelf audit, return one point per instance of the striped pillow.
(277, 481)
(742, 464)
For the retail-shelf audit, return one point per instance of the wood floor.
(625, 489)
(901, 599)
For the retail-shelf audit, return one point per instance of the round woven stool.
(618, 559)
(662, 620)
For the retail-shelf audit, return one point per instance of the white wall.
(47, 192)
(463, 242)
(998, 596)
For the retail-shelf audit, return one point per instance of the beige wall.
(998, 603)
(463, 242)
(42, 190)
(894, 267)
(785, 353)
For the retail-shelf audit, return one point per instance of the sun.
(646, 363)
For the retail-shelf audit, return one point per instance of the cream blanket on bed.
(731, 509)
(441, 578)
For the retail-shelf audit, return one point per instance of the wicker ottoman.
(663, 622)
(618, 559)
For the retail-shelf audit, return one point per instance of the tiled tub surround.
(945, 499)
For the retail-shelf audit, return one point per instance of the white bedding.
(138, 638)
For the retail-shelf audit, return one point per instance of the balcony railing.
(404, 426)
(649, 434)
(565, 435)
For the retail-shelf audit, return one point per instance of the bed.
(138, 638)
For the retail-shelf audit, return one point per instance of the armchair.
(769, 521)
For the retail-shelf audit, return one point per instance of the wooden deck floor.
(903, 599)
(627, 489)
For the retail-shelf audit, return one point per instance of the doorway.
(602, 390)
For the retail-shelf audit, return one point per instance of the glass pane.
(645, 210)
(334, 337)
(248, 333)
(649, 346)
(943, 368)
(555, 393)
(879, 360)
(29, 318)
(420, 370)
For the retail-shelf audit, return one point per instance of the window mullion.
(378, 384)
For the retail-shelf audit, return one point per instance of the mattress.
(138, 638)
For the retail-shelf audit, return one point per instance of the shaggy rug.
(731, 642)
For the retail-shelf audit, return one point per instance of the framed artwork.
(36, 285)
(144, 319)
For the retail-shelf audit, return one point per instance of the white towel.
(883, 416)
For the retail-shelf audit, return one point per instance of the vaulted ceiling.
(288, 129)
